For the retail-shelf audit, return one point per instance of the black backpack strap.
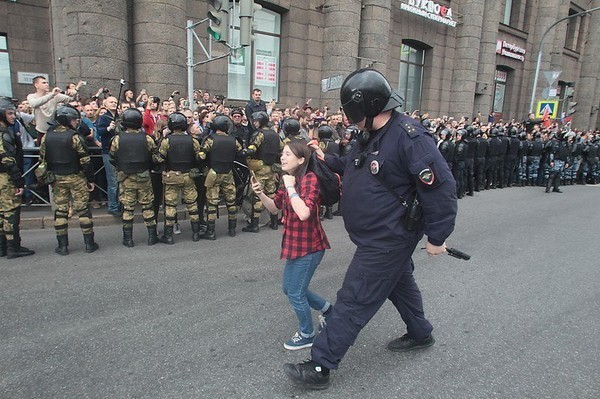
(391, 190)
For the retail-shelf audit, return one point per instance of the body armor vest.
(513, 147)
(269, 149)
(11, 147)
(180, 156)
(61, 157)
(496, 147)
(537, 148)
(222, 154)
(133, 155)
(460, 152)
(447, 150)
(471, 148)
(562, 151)
(482, 148)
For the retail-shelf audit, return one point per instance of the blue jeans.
(112, 185)
(296, 278)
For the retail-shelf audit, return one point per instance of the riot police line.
(499, 156)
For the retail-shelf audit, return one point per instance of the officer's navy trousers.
(372, 277)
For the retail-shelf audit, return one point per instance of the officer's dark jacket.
(536, 148)
(405, 156)
(133, 155)
(222, 154)
(61, 157)
(331, 147)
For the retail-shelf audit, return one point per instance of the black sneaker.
(406, 343)
(308, 374)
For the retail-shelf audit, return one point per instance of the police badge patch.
(374, 167)
(426, 176)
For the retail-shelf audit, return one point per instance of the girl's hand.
(289, 180)
(256, 187)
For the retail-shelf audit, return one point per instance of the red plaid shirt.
(301, 237)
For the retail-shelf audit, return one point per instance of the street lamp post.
(539, 58)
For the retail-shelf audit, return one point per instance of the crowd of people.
(229, 143)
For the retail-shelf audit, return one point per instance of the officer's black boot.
(274, 222)
(231, 227)
(167, 237)
(195, 231)
(90, 244)
(128, 236)
(2, 246)
(203, 226)
(328, 212)
(63, 245)
(210, 232)
(252, 227)
(15, 250)
(152, 235)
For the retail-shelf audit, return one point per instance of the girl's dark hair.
(300, 149)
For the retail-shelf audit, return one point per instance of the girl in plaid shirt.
(304, 241)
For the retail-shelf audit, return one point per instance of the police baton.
(457, 253)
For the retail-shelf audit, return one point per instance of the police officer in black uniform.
(460, 154)
(472, 145)
(480, 155)
(534, 156)
(395, 153)
(446, 147)
(510, 161)
(291, 130)
(500, 171)
(328, 146)
(491, 159)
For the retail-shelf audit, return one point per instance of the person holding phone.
(304, 240)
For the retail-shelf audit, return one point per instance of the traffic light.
(219, 18)
(571, 109)
(247, 10)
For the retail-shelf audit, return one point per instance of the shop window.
(5, 84)
(256, 66)
(499, 90)
(412, 62)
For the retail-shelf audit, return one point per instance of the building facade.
(445, 57)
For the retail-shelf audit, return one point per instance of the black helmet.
(446, 134)
(353, 130)
(65, 114)
(132, 118)
(494, 132)
(365, 94)
(325, 132)
(222, 123)
(5, 105)
(478, 132)
(261, 117)
(500, 131)
(291, 126)
(462, 132)
(426, 123)
(177, 121)
(512, 132)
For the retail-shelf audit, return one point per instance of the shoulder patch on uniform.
(426, 176)
(410, 129)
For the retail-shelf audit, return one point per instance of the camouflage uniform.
(133, 164)
(221, 150)
(63, 152)
(10, 203)
(264, 150)
(176, 179)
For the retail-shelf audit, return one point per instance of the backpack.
(329, 182)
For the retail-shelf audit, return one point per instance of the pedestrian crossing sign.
(547, 109)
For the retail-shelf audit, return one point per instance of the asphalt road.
(208, 319)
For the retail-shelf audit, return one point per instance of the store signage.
(510, 50)
(27, 77)
(430, 10)
(501, 76)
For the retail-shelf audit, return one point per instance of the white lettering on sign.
(501, 76)
(27, 77)
(510, 50)
(430, 10)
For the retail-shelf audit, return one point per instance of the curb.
(47, 222)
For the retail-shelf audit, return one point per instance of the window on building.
(499, 90)
(412, 61)
(573, 27)
(507, 12)
(5, 84)
(256, 66)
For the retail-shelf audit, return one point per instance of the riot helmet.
(177, 121)
(325, 132)
(500, 131)
(131, 118)
(462, 133)
(512, 132)
(291, 126)
(353, 130)
(6, 105)
(426, 123)
(261, 117)
(222, 123)
(366, 93)
(494, 132)
(65, 114)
